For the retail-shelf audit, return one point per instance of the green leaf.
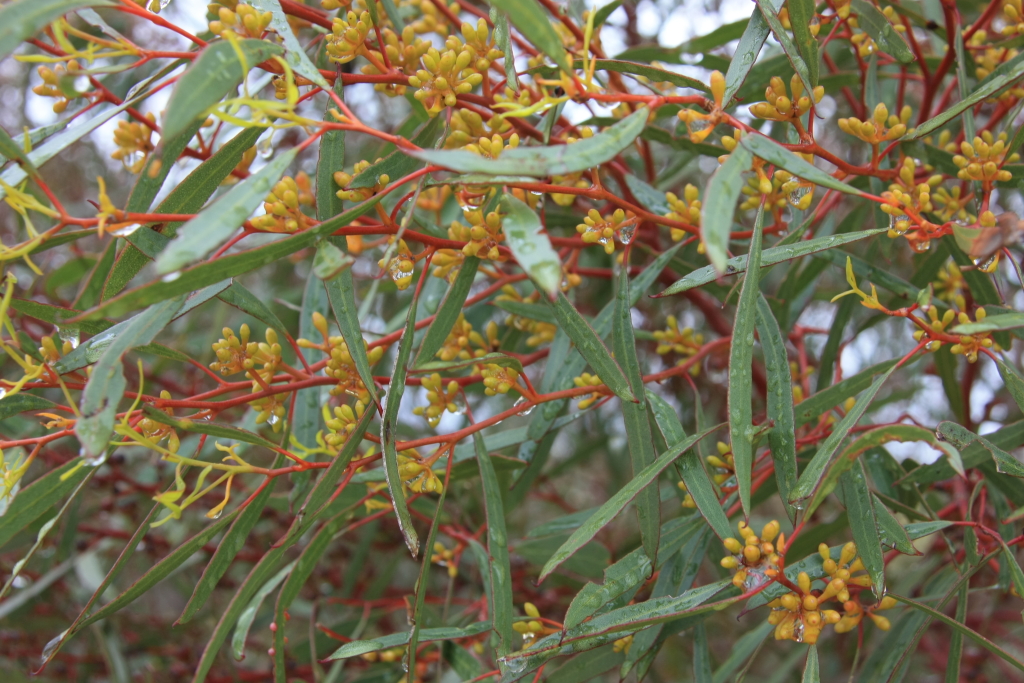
(1004, 75)
(650, 72)
(22, 402)
(961, 438)
(497, 549)
(148, 185)
(448, 312)
(330, 261)
(187, 197)
(241, 298)
(542, 162)
(331, 158)
(1011, 378)
(535, 25)
(754, 35)
(214, 225)
(653, 199)
(496, 358)
(614, 505)
(216, 72)
(801, 14)
(741, 356)
(227, 549)
(11, 150)
(23, 19)
(813, 406)
(792, 52)
(956, 640)
(885, 35)
(811, 671)
(863, 525)
(293, 52)
(993, 323)
(416, 616)
(399, 163)
(538, 312)
(341, 293)
(389, 427)
(720, 198)
(689, 467)
(769, 257)
(638, 427)
(503, 39)
(891, 531)
(530, 245)
(782, 437)
(35, 136)
(701, 655)
(106, 385)
(966, 632)
(427, 635)
(36, 499)
(247, 616)
(590, 346)
(774, 153)
(815, 469)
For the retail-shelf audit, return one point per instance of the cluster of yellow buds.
(881, 128)
(459, 342)
(907, 193)
(682, 342)
(951, 205)
(799, 193)
(283, 206)
(343, 422)
(781, 106)
(270, 409)
(815, 23)
(340, 365)
(1014, 17)
(855, 611)
(498, 379)
(358, 194)
(571, 179)
(587, 380)
(53, 86)
(971, 344)
(440, 399)
(134, 141)
(725, 466)
(483, 235)
(623, 644)
(798, 376)
(158, 431)
(685, 210)
(348, 37)
(698, 124)
(245, 21)
(403, 52)
(533, 629)
(540, 332)
(447, 263)
(234, 353)
(481, 42)
(49, 351)
(466, 126)
(950, 285)
(983, 159)
(492, 147)
(445, 77)
(401, 265)
(417, 475)
(989, 58)
(937, 324)
(801, 619)
(597, 229)
(754, 558)
(446, 558)
(394, 654)
(761, 186)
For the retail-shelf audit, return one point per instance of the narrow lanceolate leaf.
(961, 438)
(149, 183)
(330, 261)
(24, 18)
(782, 437)
(33, 501)
(774, 153)
(448, 312)
(497, 548)
(21, 402)
(993, 323)
(751, 42)
(398, 164)
(107, 384)
(793, 54)
(227, 549)
(216, 224)
(881, 31)
(701, 655)
(689, 467)
(533, 22)
(891, 531)
(216, 72)
(9, 149)
(529, 243)
(614, 505)
(815, 469)
(503, 39)
(1004, 75)
(389, 429)
(591, 347)
(638, 427)
(741, 356)
(769, 257)
(293, 52)
(723, 191)
(541, 162)
(428, 635)
(811, 671)
(341, 293)
(331, 158)
(241, 298)
(1013, 381)
(864, 526)
(247, 616)
(417, 616)
(801, 12)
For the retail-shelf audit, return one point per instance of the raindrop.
(81, 84)
(165, 3)
(70, 334)
(134, 90)
(265, 147)
(3, 392)
(797, 195)
(515, 664)
(797, 504)
(899, 224)
(216, 515)
(697, 125)
(798, 631)
(51, 647)
(171, 277)
(627, 233)
(126, 230)
(525, 411)
(131, 160)
(986, 265)
(273, 419)
(92, 461)
(921, 246)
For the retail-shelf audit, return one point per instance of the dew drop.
(899, 224)
(171, 277)
(265, 147)
(216, 515)
(987, 265)
(134, 90)
(126, 230)
(921, 246)
(525, 411)
(798, 504)
(165, 3)
(627, 233)
(131, 160)
(51, 647)
(797, 195)
(3, 392)
(90, 460)
(697, 125)
(273, 419)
